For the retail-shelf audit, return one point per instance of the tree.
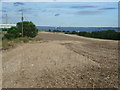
(4, 29)
(29, 29)
(12, 33)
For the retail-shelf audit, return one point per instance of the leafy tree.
(29, 29)
(49, 30)
(4, 29)
(12, 33)
(82, 33)
(74, 32)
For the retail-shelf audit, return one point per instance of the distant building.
(7, 25)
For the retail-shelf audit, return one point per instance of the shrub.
(109, 34)
(25, 40)
(12, 33)
(4, 29)
(29, 29)
(49, 30)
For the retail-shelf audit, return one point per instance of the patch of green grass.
(37, 39)
(7, 43)
(17, 40)
(24, 39)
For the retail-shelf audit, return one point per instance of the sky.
(69, 14)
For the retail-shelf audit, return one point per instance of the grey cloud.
(109, 8)
(83, 7)
(88, 12)
(24, 10)
(3, 11)
(18, 3)
(20, 10)
(44, 10)
(56, 14)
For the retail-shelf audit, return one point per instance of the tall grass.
(6, 44)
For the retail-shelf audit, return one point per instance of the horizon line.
(63, 26)
(76, 26)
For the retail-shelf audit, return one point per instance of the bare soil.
(62, 61)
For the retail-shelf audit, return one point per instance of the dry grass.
(7, 44)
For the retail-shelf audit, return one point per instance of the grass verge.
(6, 44)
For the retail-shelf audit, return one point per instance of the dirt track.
(62, 61)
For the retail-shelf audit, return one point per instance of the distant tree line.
(108, 34)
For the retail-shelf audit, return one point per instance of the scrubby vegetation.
(108, 34)
(14, 35)
(6, 43)
(29, 30)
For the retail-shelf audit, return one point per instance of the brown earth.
(62, 61)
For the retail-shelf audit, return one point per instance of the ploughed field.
(62, 61)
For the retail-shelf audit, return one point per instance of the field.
(61, 61)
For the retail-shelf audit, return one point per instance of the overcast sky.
(83, 14)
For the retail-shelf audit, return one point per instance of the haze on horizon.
(72, 14)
